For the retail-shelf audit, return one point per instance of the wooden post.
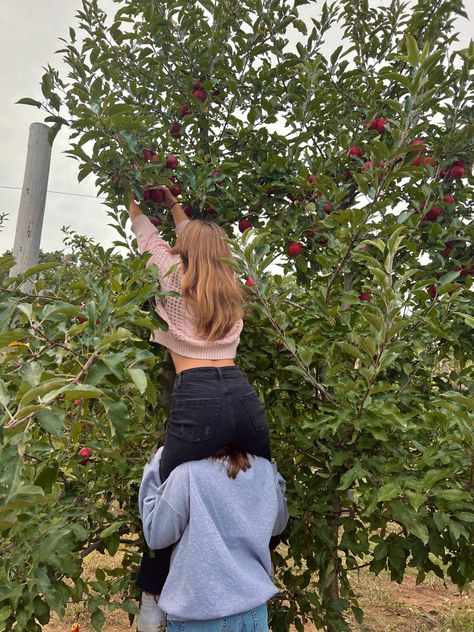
(32, 202)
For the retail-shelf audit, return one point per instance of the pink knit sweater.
(181, 336)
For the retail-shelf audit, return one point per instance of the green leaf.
(413, 54)
(118, 415)
(14, 335)
(28, 101)
(139, 379)
(82, 391)
(51, 421)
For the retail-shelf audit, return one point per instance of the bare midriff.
(181, 363)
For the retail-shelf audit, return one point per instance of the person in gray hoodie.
(220, 513)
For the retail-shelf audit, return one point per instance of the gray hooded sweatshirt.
(221, 563)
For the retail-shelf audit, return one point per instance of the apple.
(368, 165)
(215, 173)
(157, 196)
(175, 129)
(347, 175)
(200, 94)
(448, 199)
(378, 124)
(81, 319)
(447, 249)
(271, 191)
(279, 345)
(456, 171)
(156, 221)
(184, 110)
(294, 249)
(147, 154)
(364, 296)
(429, 160)
(209, 210)
(175, 189)
(86, 453)
(431, 289)
(249, 282)
(188, 209)
(312, 178)
(433, 214)
(327, 208)
(197, 85)
(172, 162)
(146, 196)
(244, 223)
(354, 152)
(311, 232)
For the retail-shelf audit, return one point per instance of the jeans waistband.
(209, 373)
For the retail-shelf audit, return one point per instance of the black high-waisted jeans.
(211, 407)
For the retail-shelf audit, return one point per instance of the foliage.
(361, 346)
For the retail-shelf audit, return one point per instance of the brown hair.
(237, 460)
(208, 284)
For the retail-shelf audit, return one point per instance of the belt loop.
(179, 379)
(221, 373)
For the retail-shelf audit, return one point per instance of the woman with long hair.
(213, 404)
(220, 514)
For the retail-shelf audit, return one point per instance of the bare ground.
(388, 607)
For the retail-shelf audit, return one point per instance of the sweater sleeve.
(164, 508)
(149, 240)
(282, 515)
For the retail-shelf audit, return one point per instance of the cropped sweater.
(181, 336)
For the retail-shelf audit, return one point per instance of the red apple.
(86, 453)
(433, 214)
(156, 221)
(368, 165)
(279, 345)
(147, 154)
(81, 319)
(157, 196)
(294, 249)
(146, 196)
(431, 289)
(456, 171)
(447, 249)
(249, 282)
(364, 296)
(175, 129)
(448, 199)
(327, 208)
(184, 110)
(197, 85)
(188, 209)
(354, 152)
(200, 94)
(312, 178)
(378, 124)
(244, 223)
(176, 189)
(347, 175)
(209, 210)
(172, 162)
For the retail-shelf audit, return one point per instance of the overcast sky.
(29, 32)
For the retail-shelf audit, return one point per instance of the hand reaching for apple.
(169, 197)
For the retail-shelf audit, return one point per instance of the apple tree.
(348, 171)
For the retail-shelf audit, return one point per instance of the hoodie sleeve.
(282, 515)
(164, 508)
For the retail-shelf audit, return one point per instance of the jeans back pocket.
(194, 419)
(255, 410)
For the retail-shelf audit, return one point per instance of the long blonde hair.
(208, 284)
